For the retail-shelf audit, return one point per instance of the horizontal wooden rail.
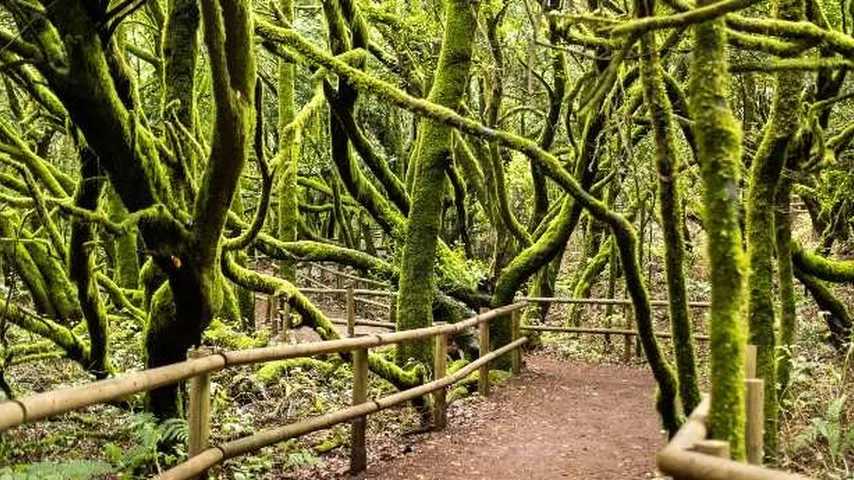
(690, 456)
(47, 404)
(43, 405)
(343, 291)
(283, 352)
(364, 323)
(313, 282)
(365, 301)
(367, 281)
(215, 455)
(606, 301)
(565, 300)
(601, 331)
(677, 459)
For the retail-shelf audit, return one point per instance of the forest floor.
(559, 419)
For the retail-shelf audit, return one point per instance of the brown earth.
(558, 420)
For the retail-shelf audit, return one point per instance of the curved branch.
(248, 236)
(838, 271)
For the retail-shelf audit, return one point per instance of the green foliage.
(68, 470)
(466, 272)
(148, 437)
(832, 430)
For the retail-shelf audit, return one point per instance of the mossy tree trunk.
(81, 262)
(785, 275)
(288, 191)
(670, 205)
(417, 276)
(95, 89)
(761, 199)
(719, 155)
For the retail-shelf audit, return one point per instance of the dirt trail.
(559, 420)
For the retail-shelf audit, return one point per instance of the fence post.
(440, 369)
(483, 376)
(392, 311)
(286, 320)
(755, 398)
(199, 409)
(715, 448)
(627, 339)
(516, 354)
(269, 311)
(351, 313)
(750, 362)
(358, 451)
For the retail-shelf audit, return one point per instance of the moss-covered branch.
(838, 271)
(719, 155)
(703, 13)
(73, 346)
(81, 266)
(670, 206)
(765, 172)
(313, 317)
(839, 321)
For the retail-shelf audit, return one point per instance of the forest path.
(558, 420)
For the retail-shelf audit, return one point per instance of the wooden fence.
(353, 296)
(691, 456)
(203, 362)
(688, 456)
(627, 333)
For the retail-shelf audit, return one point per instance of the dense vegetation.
(152, 150)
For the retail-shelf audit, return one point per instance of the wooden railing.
(203, 362)
(691, 456)
(341, 277)
(688, 456)
(353, 296)
(604, 301)
(627, 333)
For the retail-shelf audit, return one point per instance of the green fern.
(148, 436)
(832, 430)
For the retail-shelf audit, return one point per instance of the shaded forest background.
(162, 163)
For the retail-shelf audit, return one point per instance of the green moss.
(81, 265)
(271, 372)
(122, 298)
(552, 241)
(785, 274)
(764, 178)
(314, 318)
(670, 206)
(222, 335)
(838, 271)
(585, 281)
(417, 276)
(16, 255)
(127, 258)
(230, 305)
(71, 344)
(719, 155)
(839, 319)
(289, 153)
